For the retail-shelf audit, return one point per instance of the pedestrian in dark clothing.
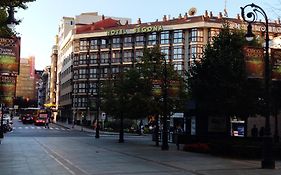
(254, 131)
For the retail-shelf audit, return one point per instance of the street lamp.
(165, 145)
(2, 129)
(251, 16)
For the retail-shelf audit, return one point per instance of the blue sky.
(40, 21)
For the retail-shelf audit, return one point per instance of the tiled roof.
(100, 25)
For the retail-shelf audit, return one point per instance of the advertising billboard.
(254, 62)
(276, 64)
(7, 89)
(9, 55)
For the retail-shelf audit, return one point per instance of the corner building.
(104, 48)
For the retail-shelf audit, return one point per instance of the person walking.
(47, 121)
(254, 131)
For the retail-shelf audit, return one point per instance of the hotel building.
(106, 47)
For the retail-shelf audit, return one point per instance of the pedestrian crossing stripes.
(40, 128)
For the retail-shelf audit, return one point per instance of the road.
(32, 150)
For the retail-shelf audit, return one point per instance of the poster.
(7, 89)
(254, 61)
(276, 64)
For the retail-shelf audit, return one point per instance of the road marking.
(38, 127)
(65, 163)
(32, 127)
(26, 127)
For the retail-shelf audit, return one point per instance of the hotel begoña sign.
(138, 29)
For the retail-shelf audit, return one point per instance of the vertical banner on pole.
(254, 62)
(276, 64)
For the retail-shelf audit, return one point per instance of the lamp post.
(165, 145)
(2, 129)
(267, 162)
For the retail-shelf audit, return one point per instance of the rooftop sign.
(138, 29)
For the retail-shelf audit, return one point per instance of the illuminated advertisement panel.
(7, 89)
(9, 55)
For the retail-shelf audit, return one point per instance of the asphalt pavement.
(105, 156)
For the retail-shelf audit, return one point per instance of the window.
(139, 55)
(116, 43)
(83, 59)
(178, 66)
(127, 57)
(82, 102)
(82, 87)
(104, 72)
(93, 73)
(164, 37)
(104, 43)
(212, 32)
(93, 87)
(116, 57)
(82, 73)
(196, 51)
(139, 40)
(84, 45)
(152, 38)
(128, 41)
(178, 53)
(104, 57)
(93, 58)
(196, 35)
(114, 71)
(94, 44)
(165, 51)
(76, 60)
(178, 36)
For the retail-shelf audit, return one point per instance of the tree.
(129, 95)
(5, 6)
(219, 83)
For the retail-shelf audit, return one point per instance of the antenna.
(225, 10)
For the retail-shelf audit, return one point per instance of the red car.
(41, 119)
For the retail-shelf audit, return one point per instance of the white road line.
(32, 127)
(38, 127)
(20, 127)
(26, 127)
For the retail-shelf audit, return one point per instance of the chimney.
(278, 20)
(211, 14)
(206, 14)
(185, 16)
(238, 16)
(180, 16)
(220, 15)
(139, 21)
(164, 18)
(127, 22)
(102, 17)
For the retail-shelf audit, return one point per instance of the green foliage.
(4, 5)
(219, 82)
(130, 94)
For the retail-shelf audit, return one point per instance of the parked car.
(27, 118)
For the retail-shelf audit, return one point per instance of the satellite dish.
(192, 11)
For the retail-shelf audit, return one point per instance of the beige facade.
(25, 86)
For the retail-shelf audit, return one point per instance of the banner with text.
(7, 89)
(9, 55)
(254, 62)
